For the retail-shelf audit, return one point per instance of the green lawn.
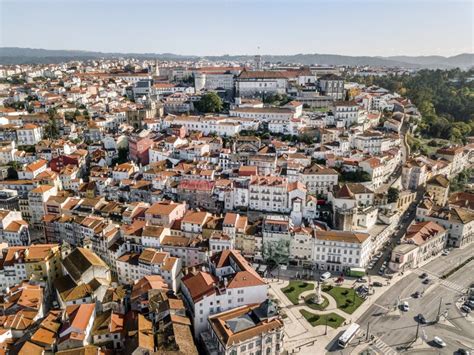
(346, 298)
(295, 289)
(319, 307)
(333, 320)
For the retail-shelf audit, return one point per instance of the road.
(395, 330)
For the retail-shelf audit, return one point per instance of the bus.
(348, 335)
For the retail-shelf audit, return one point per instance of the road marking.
(384, 348)
(448, 284)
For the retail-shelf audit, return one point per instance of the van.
(325, 276)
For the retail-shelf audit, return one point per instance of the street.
(395, 330)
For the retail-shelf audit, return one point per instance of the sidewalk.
(301, 336)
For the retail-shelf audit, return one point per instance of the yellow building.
(438, 188)
(43, 263)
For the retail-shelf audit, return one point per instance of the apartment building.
(252, 329)
(230, 282)
(341, 250)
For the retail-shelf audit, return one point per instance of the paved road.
(395, 330)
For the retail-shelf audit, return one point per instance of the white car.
(445, 252)
(405, 306)
(439, 341)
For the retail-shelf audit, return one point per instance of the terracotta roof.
(420, 233)
(342, 236)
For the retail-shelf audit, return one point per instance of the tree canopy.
(210, 102)
(445, 99)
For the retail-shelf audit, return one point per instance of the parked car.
(445, 252)
(417, 294)
(426, 281)
(421, 319)
(423, 275)
(377, 284)
(466, 309)
(440, 342)
(405, 307)
(361, 279)
(462, 351)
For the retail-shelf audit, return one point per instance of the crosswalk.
(380, 347)
(451, 285)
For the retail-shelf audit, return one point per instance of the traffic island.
(295, 289)
(311, 303)
(332, 320)
(346, 298)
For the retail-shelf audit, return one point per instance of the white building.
(259, 83)
(340, 250)
(29, 134)
(231, 283)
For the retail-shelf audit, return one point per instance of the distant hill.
(14, 55)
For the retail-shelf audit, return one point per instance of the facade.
(253, 329)
(260, 83)
(231, 282)
(341, 250)
(422, 242)
(332, 85)
(438, 188)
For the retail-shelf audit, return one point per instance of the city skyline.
(192, 28)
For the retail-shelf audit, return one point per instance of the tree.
(392, 195)
(210, 102)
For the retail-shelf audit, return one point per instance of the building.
(133, 266)
(458, 222)
(455, 155)
(422, 242)
(231, 282)
(260, 83)
(77, 328)
(13, 229)
(332, 85)
(341, 250)
(252, 329)
(438, 188)
(318, 179)
(29, 134)
(40, 263)
(353, 207)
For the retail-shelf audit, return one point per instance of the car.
(417, 294)
(469, 305)
(465, 309)
(462, 351)
(423, 275)
(421, 319)
(445, 252)
(361, 279)
(440, 342)
(377, 284)
(325, 276)
(405, 307)
(426, 281)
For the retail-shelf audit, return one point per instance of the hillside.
(15, 55)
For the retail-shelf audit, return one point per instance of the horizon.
(237, 54)
(242, 27)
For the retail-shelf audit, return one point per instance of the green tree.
(392, 195)
(210, 102)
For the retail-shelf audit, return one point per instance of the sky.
(216, 27)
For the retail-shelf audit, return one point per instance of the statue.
(318, 298)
